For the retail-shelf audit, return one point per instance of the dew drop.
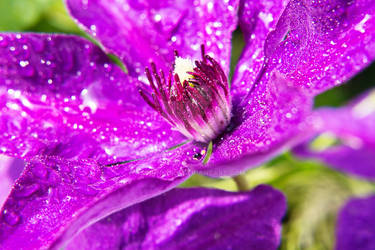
(197, 156)
(3, 42)
(107, 67)
(157, 18)
(86, 190)
(27, 191)
(53, 178)
(24, 63)
(26, 69)
(40, 172)
(143, 168)
(11, 218)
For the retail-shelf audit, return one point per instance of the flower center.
(194, 98)
(182, 66)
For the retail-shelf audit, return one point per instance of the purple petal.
(273, 114)
(352, 128)
(356, 225)
(256, 19)
(194, 218)
(140, 32)
(322, 44)
(10, 169)
(344, 158)
(61, 95)
(5, 181)
(56, 198)
(274, 119)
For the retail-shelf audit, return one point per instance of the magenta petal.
(273, 119)
(10, 170)
(356, 225)
(321, 44)
(5, 181)
(140, 32)
(61, 95)
(195, 218)
(344, 158)
(56, 198)
(256, 19)
(353, 129)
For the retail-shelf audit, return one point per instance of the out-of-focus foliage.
(237, 44)
(35, 15)
(56, 18)
(20, 14)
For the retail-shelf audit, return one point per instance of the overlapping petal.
(60, 95)
(317, 45)
(143, 31)
(312, 43)
(356, 225)
(194, 218)
(350, 129)
(322, 44)
(276, 117)
(55, 198)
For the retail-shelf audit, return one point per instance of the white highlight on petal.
(266, 18)
(182, 66)
(359, 26)
(324, 142)
(365, 107)
(89, 100)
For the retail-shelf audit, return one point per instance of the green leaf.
(208, 154)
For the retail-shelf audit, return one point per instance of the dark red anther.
(203, 53)
(200, 105)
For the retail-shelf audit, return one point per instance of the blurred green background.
(314, 192)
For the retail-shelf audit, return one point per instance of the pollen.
(182, 67)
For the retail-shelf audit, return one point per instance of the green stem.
(241, 182)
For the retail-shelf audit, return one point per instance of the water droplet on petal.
(27, 191)
(11, 218)
(86, 190)
(40, 172)
(26, 69)
(3, 41)
(107, 67)
(53, 178)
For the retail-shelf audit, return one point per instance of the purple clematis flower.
(350, 131)
(95, 144)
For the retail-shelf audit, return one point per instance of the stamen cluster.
(200, 106)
